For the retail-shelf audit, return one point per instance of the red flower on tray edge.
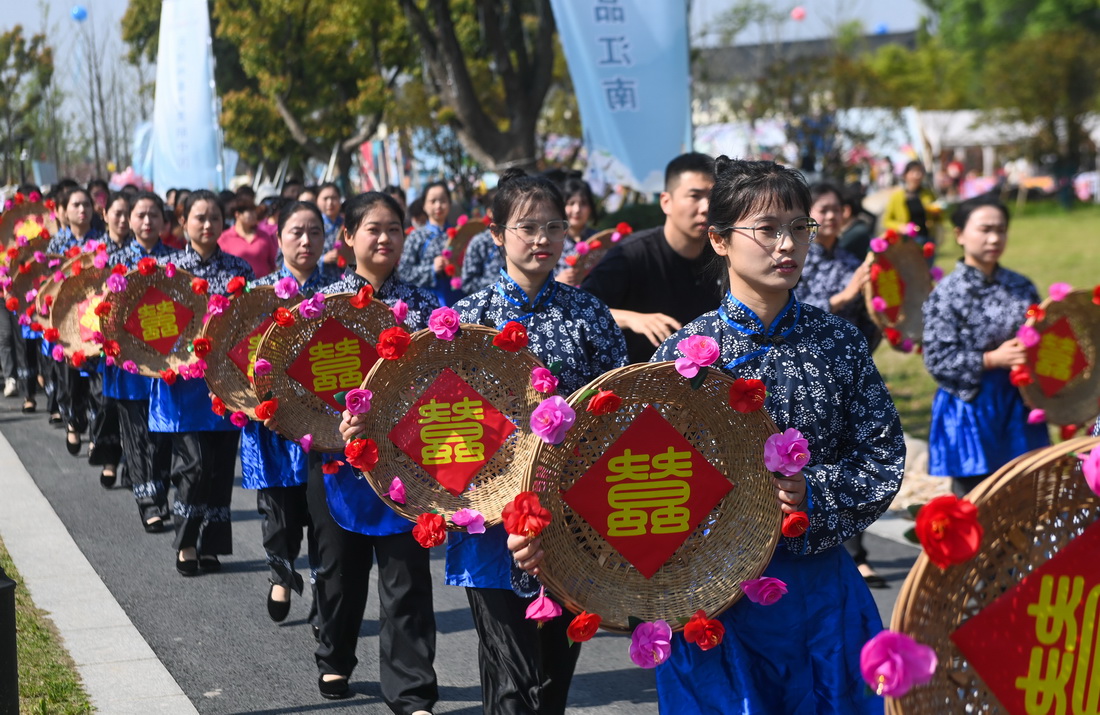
(948, 530)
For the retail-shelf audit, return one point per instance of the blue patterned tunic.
(565, 325)
(482, 264)
(821, 381)
(826, 273)
(421, 248)
(979, 420)
(351, 501)
(332, 231)
(185, 405)
(64, 239)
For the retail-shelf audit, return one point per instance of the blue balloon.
(881, 29)
(79, 13)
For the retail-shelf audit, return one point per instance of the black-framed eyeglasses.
(528, 231)
(768, 233)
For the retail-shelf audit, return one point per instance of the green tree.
(26, 70)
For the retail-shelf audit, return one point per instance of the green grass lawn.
(1047, 245)
(48, 681)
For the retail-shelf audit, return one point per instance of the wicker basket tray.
(27, 221)
(47, 292)
(124, 306)
(907, 258)
(1029, 510)
(1078, 401)
(229, 378)
(598, 246)
(503, 379)
(27, 272)
(74, 301)
(301, 411)
(733, 543)
(458, 245)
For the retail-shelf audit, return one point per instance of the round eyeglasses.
(528, 231)
(768, 233)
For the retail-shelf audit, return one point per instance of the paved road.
(213, 633)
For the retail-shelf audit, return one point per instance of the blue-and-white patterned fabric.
(565, 325)
(184, 406)
(351, 501)
(64, 239)
(821, 381)
(417, 264)
(482, 264)
(826, 273)
(332, 231)
(267, 459)
(979, 420)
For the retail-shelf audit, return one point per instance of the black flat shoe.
(154, 527)
(316, 632)
(55, 419)
(73, 447)
(107, 481)
(29, 406)
(333, 689)
(187, 568)
(278, 610)
(873, 580)
(210, 563)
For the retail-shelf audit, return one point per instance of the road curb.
(120, 672)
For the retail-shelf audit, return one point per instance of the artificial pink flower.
(357, 401)
(616, 237)
(116, 283)
(312, 307)
(1059, 291)
(581, 248)
(543, 608)
(217, 304)
(911, 229)
(306, 442)
(130, 366)
(24, 320)
(58, 353)
(54, 263)
(456, 283)
(906, 346)
(699, 351)
(878, 245)
(1036, 416)
(1028, 335)
(892, 663)
(474, 522)
(462, 220)
(1091, 468)
(239, 419)
(286, 287)
(651, 644)
(552, 419)
(261, 367)
(400, 311)
(444, 322)
(447, 253)
(936, 272)
(764, 590)
(170, 269)
(30, 295)
(100, 260)
(878, 304)
(110, 361)
(786, 452)
(397, 491)
(543, 380)
(58, 276)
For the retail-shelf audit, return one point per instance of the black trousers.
(148, 458)
(8, 328)
(525, 670)
(104, 430)
(27, 352)
(961, 486)
(856, 549)
(406, 639)
(286, 516)
(73, 397)
(49, 371)
(202, 470)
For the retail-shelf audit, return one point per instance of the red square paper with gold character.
(157, 320)
(648, 492)
(334, 360)
(243, 354)
(89, 321)
(451, 431)
(1037, 647)
(1057, 357)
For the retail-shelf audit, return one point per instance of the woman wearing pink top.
(250, 239)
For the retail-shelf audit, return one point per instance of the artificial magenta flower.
(286, 288)
(357, 401)
(397, 490)
(892, 663)
(472, 519)
(552, 419)
(764, 590)
(400, 311)
(1091, 468)
(313, 307)
(1028, 335)
(444, 323)
(1059, 291)
(786, 452)
(542, 380)
(699, 351)
(651, 644)
(543, 608)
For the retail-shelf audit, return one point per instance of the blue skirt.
(972, 439)
(799, 656)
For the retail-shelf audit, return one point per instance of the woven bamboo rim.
(300, 411)
(908, 259)
(461, 241)
(149, 361)
(1078, 403)
(585, 263)
(22, 283)
(1029, 510)
(245, 313)
(72, 291)
(503, 378)
(733, 544)
(11, 222)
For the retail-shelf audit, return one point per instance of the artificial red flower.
(284, 317)
(747, 395)
(452, 232)
(51, 335)
(147, 266)
(570, 261)
(892, 335)
(795, 524)
(118, 269)
(29, 310)
(595, 245)
(362, 454)
(103, 308)
(266, 409)
(624, 229)
(430, 530)
(948, 529)
(19, 198)
(332, 467)
(876, 270)
(363, 298)
(1068, 431)
(51, 204)
(78, 358)
(217, 406)
(201, 347)
(1096, 295)
(169, 376)
(891, 235)
(583, 627)
(76, 269)
(25, 268)
(525, 516)
(199, 286)
(1020, 376)
(36, 327)
(392, 343)
(512, 337)
(604, 402)
(1036, 312)
(704, 632)
(111, 347)
(929, 250)
(49, 301)
(449, 269)
(12, 303)
(341, 262)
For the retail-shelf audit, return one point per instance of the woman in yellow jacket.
(912, 203)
